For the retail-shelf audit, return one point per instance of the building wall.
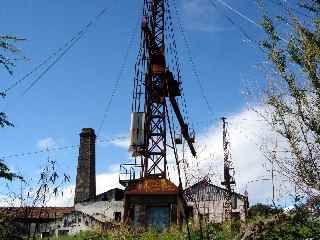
(208, 200)
(71, 224)
(213, 210)
(87, 216)
(102, 210)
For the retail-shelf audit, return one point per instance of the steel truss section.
(154, 162)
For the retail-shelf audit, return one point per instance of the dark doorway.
(117, 216)
(158, 218)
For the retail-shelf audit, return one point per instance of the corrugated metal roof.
(36, 212)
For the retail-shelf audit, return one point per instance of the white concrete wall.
(102, 210)
(93, 213)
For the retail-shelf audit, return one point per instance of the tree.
(34, 199)
(291, 99)
(8, 51)
(261, 209)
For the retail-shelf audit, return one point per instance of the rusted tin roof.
(151, 185)
(36, 212)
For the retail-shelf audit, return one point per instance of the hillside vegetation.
(264, 223)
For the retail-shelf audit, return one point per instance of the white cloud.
(122, 142)
(247, 134)
(46, 143)
(65, 198)
(8, 201)
(199, 15)
(104, 182)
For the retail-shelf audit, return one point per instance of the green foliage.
(8, 51)
(298, 226)
(87, 235)
(7, 230)
(295, 225)
(123, 233)
(221, 231)
(3, 120)
(292, 95)
(6, 173)
(311, 5)
(263, 210)
(3, 117)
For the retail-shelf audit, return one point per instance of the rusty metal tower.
(229, 172)
(151, 199)
(157, 83)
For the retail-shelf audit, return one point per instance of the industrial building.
(206, 200)
(150, 202)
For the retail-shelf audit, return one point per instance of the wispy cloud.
(198, 15)
(122, 142)
(252, 170)
(247, 134)
(104, 182)
(46, 143)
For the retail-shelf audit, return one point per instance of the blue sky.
(74, 93)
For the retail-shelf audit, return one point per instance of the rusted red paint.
(152, 185)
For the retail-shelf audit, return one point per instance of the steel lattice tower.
(159, 85)
(229, 181)
(155, 107)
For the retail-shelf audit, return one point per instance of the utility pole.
(273, 159)
(229, 181)
(272, 178)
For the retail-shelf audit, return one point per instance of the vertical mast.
(154, 157)
(159, 87)
(229, 181)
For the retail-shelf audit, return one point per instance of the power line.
(240, 28)
(117, 81)
(54, 149)
(243, 16)
(59, 53)
(193, 65)
(238, 13)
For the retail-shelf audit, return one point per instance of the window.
(117, 216)
(45, 234)
(63, 232)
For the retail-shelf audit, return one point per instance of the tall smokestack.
(86, 170)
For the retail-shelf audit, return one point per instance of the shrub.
(260, 209)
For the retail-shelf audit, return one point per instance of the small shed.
(152, 202)
(206, 200)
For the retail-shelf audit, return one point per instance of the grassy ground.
(263, 224)
(264, 228)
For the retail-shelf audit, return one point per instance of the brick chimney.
(86, 170)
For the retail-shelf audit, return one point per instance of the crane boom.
(184, 127)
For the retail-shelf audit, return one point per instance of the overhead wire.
(54, 149)
(175, 62)
(59, 53)
(240, 28)
(193, 65)
(118, 78)
(243, 16)
(238, 13)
